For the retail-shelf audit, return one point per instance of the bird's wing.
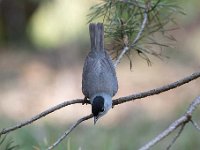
(113, 73)
(87, 76)
(99, 75)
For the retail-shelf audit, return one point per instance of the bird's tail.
(97, 36)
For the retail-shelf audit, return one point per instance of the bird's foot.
(85, 101)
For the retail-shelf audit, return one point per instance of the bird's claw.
(85, 101)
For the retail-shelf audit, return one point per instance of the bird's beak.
(95, 119)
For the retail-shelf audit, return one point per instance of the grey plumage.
(99, 77)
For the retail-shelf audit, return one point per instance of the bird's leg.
(85, 101)
(112, 106)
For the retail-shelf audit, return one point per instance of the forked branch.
(182, 121)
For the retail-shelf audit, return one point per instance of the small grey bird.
(99, 81)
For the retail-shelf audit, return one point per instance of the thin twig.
(66, 133)
(195, 125)
(40, 115)
(182, 120)
(115, 102)
(125, 49)
(193, 106)
(141, 29)
(120, 56)
(176, 137)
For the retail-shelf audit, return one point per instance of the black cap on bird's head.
(97, 107)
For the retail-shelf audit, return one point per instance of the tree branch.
(157, 90)
(115, 102)
(67, 132)
(135, 40)
(43, 114)
(179, 122)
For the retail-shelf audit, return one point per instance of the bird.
(99, 80)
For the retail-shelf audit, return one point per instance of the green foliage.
(8, 144)
(123, 21)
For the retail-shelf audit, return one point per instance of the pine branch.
(122, 20)
(135, 40)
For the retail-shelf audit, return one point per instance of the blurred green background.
(43, 44)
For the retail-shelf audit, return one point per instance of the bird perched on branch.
(99, 81)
